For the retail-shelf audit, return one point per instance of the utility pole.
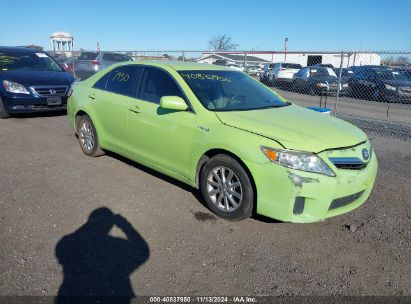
(285, 49)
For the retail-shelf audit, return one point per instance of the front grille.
(51, 91)
(343, 201)
(406, 90)
(350, 163)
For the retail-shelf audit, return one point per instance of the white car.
(283, 72)
(253, 70)
(236, 67)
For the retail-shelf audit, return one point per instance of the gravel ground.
(48, 189)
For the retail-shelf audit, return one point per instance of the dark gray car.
(316, 81)
(89, 63)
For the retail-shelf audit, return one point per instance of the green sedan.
(246, 148)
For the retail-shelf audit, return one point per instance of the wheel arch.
(213, 152)
(77, 118)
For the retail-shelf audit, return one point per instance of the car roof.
(179, 65)
(17, 49)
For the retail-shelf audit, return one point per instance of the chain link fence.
(371, 89)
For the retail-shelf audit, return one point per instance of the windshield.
(18, 61)
(389, 74)
(320, 72)
(230, 91)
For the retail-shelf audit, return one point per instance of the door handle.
(92, 96)
(135, 109)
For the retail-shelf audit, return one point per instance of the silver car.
(89, 63)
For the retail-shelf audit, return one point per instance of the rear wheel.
(87, 137)
(226, 188)
(3, 112)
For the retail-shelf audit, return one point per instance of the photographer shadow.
(96, 265)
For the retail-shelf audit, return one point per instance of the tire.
(219, 195)
(87, 137)
(3, 112)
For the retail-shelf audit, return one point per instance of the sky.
(175, 25)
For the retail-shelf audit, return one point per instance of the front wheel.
(87, 137)
(226, 188)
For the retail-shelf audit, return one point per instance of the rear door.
(162, 137)
(110, 97)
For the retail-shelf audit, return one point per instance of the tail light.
(95, 62)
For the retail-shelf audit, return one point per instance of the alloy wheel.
(224, 189)
(86, 136)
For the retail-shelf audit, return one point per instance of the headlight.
(14, 87)
(345, 85)
(321, 85)
(391, 88)
(304, 161)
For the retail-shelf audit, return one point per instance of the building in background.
(229, 58)
(303, 58)
(62, 42)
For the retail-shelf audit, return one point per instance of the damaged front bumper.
(301, 197)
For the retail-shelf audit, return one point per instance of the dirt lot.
(48, 189)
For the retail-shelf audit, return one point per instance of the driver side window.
(155, 84)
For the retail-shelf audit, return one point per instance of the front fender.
(243, 144)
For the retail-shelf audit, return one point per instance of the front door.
(160, 136)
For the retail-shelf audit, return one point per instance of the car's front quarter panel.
(279, 189)
(216, 136)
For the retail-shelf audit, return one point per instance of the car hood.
(296, 128)
(398, 83)
(33, 78)
(329, 79)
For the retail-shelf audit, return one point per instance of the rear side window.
(156, 84)
(124, 80)
(88, 56)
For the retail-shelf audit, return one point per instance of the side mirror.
(173, 103)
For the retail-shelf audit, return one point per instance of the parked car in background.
(236, 67)
(380, 83)
(31, 81)
(346, 75)
(317, 81)
(266, 70)
(407, 73)
(88, 63)
(253, 70)
(283, 73)
(221, 131)
(67, 63)
(324, 65)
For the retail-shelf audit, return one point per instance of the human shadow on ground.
(96, 265)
